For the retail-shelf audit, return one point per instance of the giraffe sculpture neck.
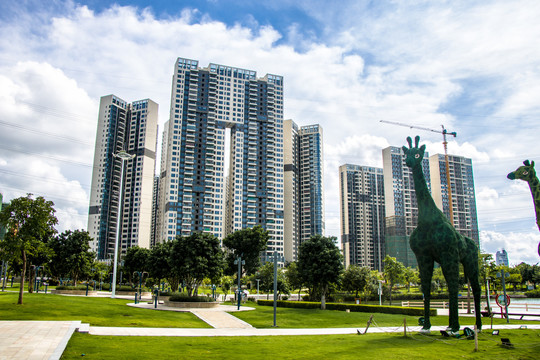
(426, 205)
(534, 185)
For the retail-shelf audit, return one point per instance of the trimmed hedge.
(533, 294)
(185, 298)
(352, 307)
(71, 287)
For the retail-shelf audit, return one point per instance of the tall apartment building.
(304, 177)
(221, 113)
(401, 208)
(362, 210)
(465, 219)
(130, 127)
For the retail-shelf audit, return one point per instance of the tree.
(136, 259)
(247, 243)
(196, 257)
(293, 278)
(356, 279)
(410, 275)
(72, 256)
(393, 273)
(159, 264)
(266, 276)
(319, 264)
(30, 223)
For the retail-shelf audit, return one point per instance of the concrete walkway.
(35, 339)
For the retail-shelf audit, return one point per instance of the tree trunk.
(323, 297)
(23, 275)
(30, 279)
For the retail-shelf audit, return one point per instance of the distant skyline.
(472, 66)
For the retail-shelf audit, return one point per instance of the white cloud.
(521, 247)
(425, 65)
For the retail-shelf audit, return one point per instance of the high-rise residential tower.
(223, 165)
(304, 195)
(401, 216)
(465, 219)
(130, 127)
(362, 215)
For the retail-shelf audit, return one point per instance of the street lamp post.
(123, 156)
(380, 292)
(239, 262)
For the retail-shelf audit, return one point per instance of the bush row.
(351, 307)
(533, 294)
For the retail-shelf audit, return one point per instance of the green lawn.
(369, 346)
(263, 317)
(93, 310)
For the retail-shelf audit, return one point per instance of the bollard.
(136, 298)
(156, 292)
(87, 288)
(46, 285)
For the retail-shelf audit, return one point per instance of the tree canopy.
(136, 260)
(72, 256)
(319, 264)
(30, 224)
(247, 243)
(356, 279)
(393, 273)
(196, 257)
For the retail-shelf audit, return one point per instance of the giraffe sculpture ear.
(423, 148)
(409, 140)
(405, 149)
(532, 163)
(526, 163)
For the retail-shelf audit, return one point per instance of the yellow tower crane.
(444, 132)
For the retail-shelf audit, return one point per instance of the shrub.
(71, 287)
(533, 294)
(185, 298)
(352, 307)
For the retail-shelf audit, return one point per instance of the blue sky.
(472, 66)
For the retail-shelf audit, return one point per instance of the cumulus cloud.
(469, 66)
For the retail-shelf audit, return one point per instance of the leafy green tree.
(72, 256)
(293, 278)
(356, 279)
(266, 276)
(226, 283)
(525, 270)
(196, 257)
(393, 273)
(159, 264)
(247, 243)
(438, 278)
(319, 264)
(135, 260)
(30, 224)
(411, 275)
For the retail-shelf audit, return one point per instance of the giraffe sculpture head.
(414, 155)
(525, 172)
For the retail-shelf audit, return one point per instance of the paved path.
(35, 339)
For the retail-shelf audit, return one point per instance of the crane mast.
(444, 132)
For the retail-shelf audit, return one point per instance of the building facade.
(222, 169)
(130, 127)
(304, 185)
(501, 258)
(362, 210)
(401, 207)
(465, 218)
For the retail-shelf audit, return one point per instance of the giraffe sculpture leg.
(425, 265)
(450, 268)
(470, 267)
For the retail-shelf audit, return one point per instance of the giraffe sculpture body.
(436, 240)
(528, 174)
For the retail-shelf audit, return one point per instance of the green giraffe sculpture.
(435, 239)
(528, 174)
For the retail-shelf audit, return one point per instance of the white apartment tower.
(465, 218)
(304, 175)
(130, 127)
(362, 215)
(222, 168)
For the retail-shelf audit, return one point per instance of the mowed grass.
(263, 317)
(369, 346)
(93, 310)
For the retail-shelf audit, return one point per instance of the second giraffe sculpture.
(436, 240)
(528, 174)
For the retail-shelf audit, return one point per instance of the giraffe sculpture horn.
(409, 140)
(416, 140)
